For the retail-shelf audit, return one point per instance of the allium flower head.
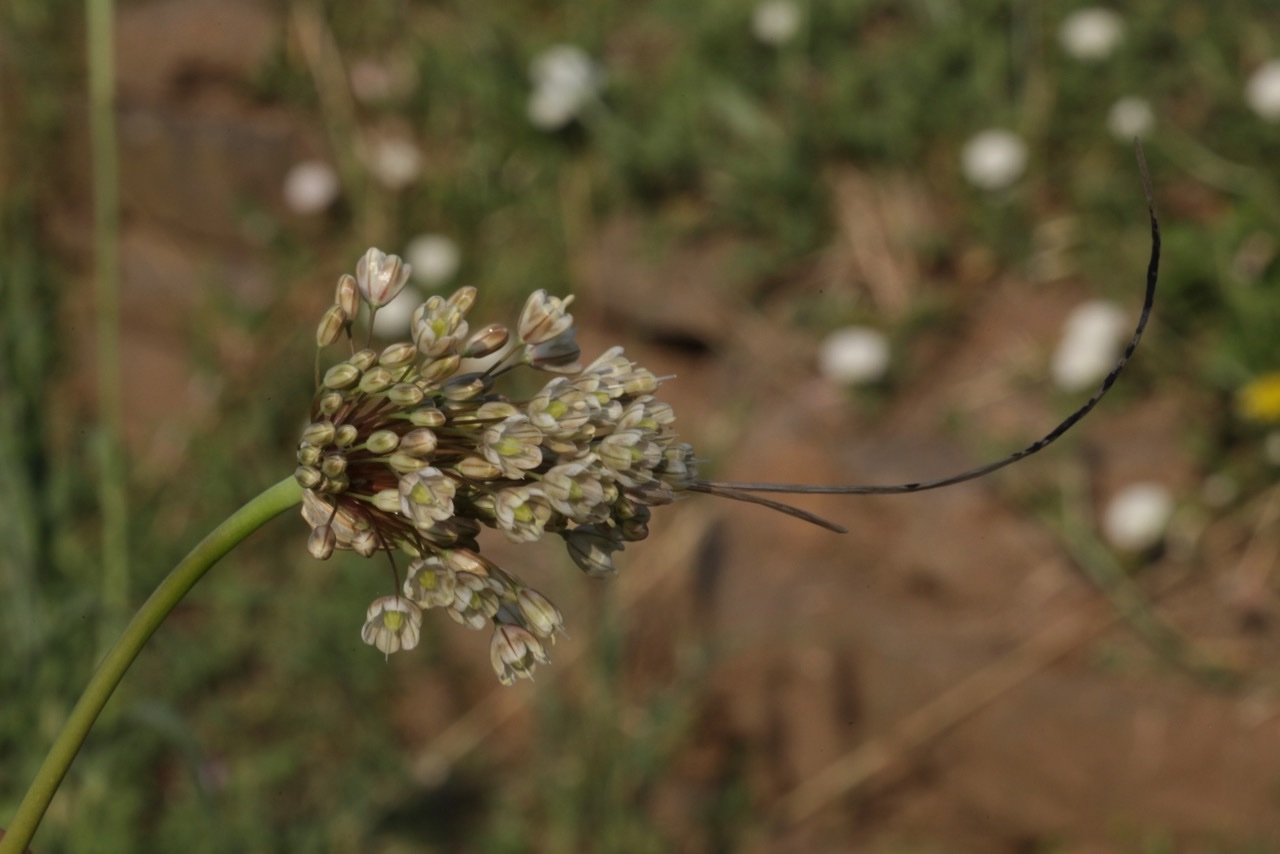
(407, 453)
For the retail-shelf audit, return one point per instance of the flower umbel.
(407, 452)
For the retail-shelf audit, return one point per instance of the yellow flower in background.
(1259, 399)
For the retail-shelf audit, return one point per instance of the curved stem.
(253, 515)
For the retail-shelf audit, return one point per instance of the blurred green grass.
(699, 131)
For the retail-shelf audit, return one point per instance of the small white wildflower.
(435, 259)
(1091, 34)
(392, 623)
(310, 187)
(993, 159)
(854, 355)
(1091, 339)
(775, 22)
(1129, 117)
(1262, 91)
(1137, 516)
(395, 161)
(565, 79)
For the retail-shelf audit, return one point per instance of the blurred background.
(868, 241)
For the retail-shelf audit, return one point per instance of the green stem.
(271, 503)
(112, 498)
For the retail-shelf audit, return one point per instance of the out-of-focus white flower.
(775, 22)
(565, 79)
(1129, 117)
(1091, 340)
(1092, 33)
(310, 187)
(1262, 91)
(993, 159)
(435, 259)
(395, 161)
(393, 320)
(854, 355)
(1137, 516)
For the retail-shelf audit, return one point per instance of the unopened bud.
(347, 296)
(382, 441)
(477, 468)
(331, 325)
(346, 436)
(465, 387)
(487, 341)
(321, 542)
(428, 416)
(398, 355)
(633, 530)
(331, 402)
(308, 477)
(463, 298)
(343, 375)
(377, 379)
(309, 455)
(319, 433)
(439, 368)
(387, 500)
(405, 395)
(333, 466)
(592, 548)
(364, 359)
(418, 443)
(560, 354)
(406, 463)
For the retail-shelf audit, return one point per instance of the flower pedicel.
(410, 451)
